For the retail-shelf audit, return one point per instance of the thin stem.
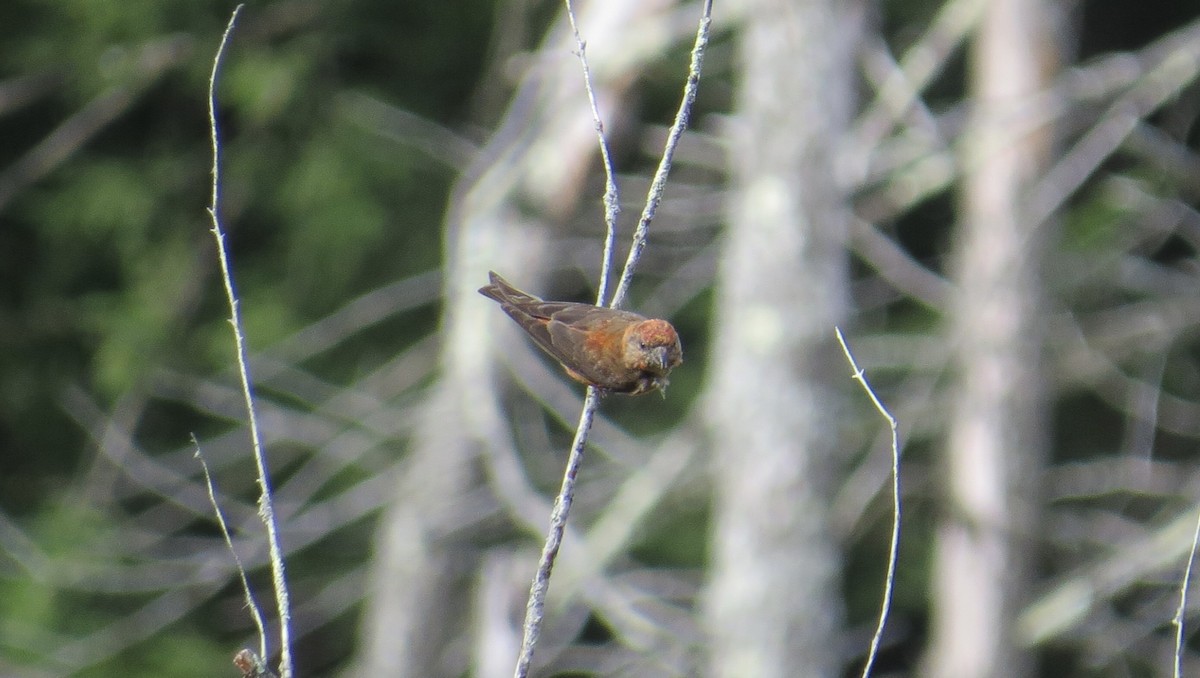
(893, 551)
(612, 202)
(659, 184)
(251, 603)
(535, 607)
(1178, 620)
(266, 509)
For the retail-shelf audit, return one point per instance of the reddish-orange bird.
(612, 350)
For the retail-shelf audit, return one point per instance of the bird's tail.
(500, 290)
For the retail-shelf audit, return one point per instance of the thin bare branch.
(266, 506)
(893, 550)
(251, 603)
(1183, 589)
(535, 607)
(611, 199)
(659, 184)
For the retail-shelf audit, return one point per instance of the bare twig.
(889, 585)
(611, 201)
(535, 607)
(251, 603)
(1173, 69)
(265, 506)
(659, 184)
(1179, 611)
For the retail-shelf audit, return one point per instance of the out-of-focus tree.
(381, 156)
(995, 445)
(773, 603)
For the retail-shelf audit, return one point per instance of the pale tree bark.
(423, 565)
(773, 600)
(996, 443)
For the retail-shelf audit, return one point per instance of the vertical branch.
(889, 585)
(266, 508)
(535, 606)
(659, 184)
(1178, 620)
(612, 205)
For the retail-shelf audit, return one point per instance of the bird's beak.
(659, 357)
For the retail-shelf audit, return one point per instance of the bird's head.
(652, 346)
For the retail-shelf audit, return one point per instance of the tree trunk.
(773, 602)
(995, 448)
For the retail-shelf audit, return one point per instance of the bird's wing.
(587, 340)
(595, 340)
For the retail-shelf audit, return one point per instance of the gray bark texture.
(773, 600)
(995, 448)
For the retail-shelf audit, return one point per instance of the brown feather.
(588, 340)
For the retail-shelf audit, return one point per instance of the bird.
(615, 351)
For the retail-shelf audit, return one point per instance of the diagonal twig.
(251, 603)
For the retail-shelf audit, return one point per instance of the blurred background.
(996, 201)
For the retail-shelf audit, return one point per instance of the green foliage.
(1097, 219)
(56, 602)
(116, 264)
(263, 84)
(183, 652)
(109, 282)
(107, 266)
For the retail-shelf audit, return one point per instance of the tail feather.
(502, 291)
